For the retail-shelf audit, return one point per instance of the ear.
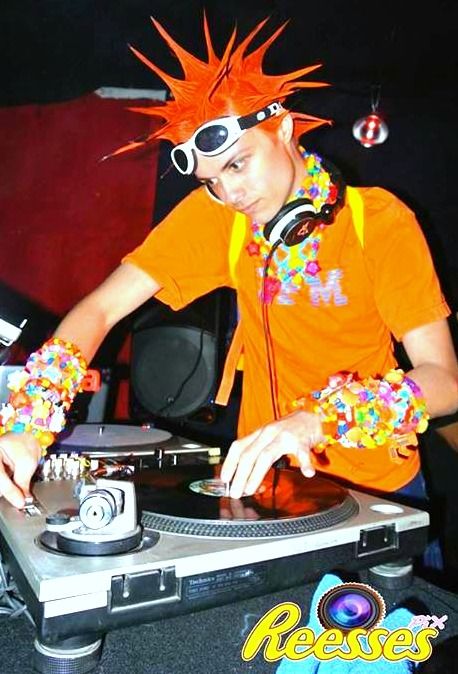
(286, 129)
(212, 195)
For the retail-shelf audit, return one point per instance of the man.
(324, 277)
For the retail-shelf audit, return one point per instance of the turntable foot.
(395, 575)
(78, 655)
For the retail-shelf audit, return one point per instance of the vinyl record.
(197, 496)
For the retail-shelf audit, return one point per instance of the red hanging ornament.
(371, 130)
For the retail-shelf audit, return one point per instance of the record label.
(210, 487)
(215, 487)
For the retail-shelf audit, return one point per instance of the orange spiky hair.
(234, 84)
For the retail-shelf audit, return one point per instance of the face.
(257, 174)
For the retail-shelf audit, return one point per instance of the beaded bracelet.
(367, 413)
(43, 391)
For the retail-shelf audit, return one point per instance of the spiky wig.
(234, 84)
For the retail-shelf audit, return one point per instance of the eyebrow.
(226, 166)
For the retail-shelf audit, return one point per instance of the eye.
(238, 164)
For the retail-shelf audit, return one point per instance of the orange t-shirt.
(340, 319)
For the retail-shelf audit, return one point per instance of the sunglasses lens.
(211, 138)
(180, 160)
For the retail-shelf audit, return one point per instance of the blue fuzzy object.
(400, 617)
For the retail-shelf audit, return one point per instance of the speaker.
(174, 369)
(177, 358)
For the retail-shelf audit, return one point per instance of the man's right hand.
(19, 457)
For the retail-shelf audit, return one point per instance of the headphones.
(296, 220)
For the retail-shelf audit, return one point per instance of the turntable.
(197, 547)
(123, 440)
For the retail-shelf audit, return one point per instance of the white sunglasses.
(218, 135)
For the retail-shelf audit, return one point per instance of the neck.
(298, 165)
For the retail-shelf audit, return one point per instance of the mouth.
(250, 209)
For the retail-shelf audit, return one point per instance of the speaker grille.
(173, 370)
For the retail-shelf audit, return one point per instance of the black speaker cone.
(173, 369)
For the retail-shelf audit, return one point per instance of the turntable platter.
(111, 435)
(287, 503)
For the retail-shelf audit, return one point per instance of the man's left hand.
(249, 458)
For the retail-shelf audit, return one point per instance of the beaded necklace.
(291, 266)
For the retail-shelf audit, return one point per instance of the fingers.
(9, 490)
(263, 462)
(19, 457)
(305, 463)
(23, 472)
(283, 443)
(252, 456)
(231, 461)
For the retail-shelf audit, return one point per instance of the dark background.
(56, 50)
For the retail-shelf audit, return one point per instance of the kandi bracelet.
(366, 413)
(43, 391)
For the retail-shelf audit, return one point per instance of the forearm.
(439, 387)
(434, 366)
(88, 323)
(85, 326)
(43, 392)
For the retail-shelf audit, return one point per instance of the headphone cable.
(273, 381)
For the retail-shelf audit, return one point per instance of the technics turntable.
(118, 440)
(197, 547)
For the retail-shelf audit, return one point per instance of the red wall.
(66, 218)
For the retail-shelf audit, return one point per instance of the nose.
(232, 191)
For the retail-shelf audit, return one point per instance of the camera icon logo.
(350, 606)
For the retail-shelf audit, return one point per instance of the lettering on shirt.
(329, 291)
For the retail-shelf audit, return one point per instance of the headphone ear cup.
(294, 222)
